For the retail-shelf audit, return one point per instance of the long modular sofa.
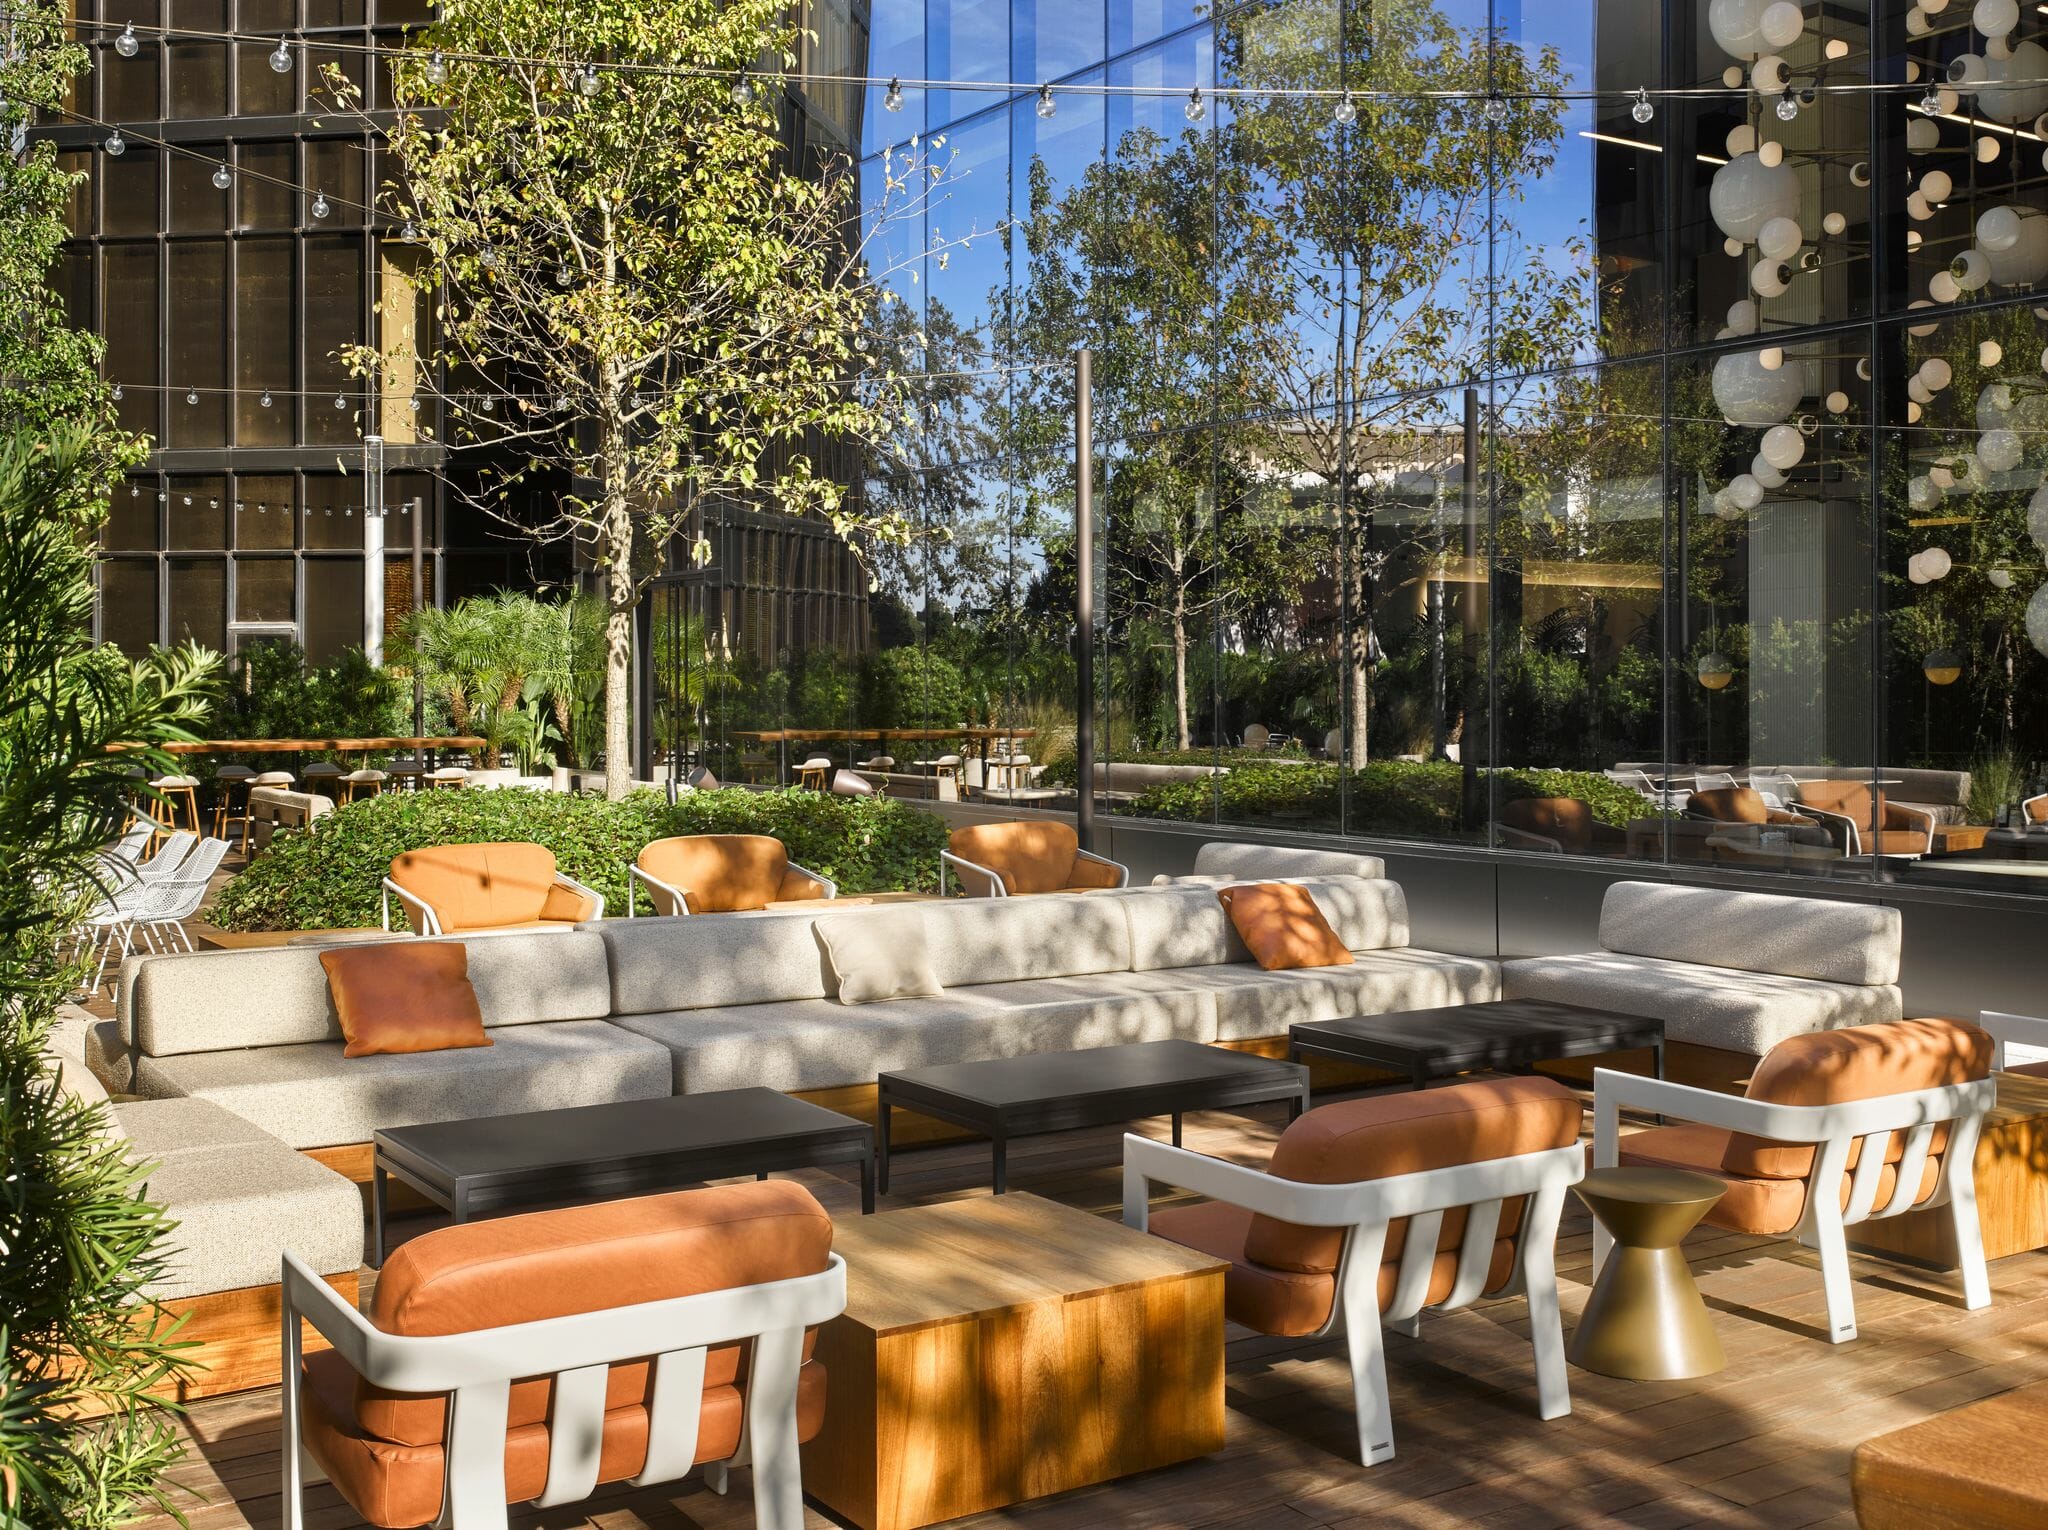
(632, 1010)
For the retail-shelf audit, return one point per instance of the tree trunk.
(621, 595)
(1183, 739)
(1358, 644)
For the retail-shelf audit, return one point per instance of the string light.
(892, 98)
(1642, 111)
(1346, 111)
(1197, 108)
(223, 178)
(281, 59)
(436, 71)
(1788, 107)
(320, 209)
(742, 92)
(265, 400)
(119, 393)
(116, 145)
(1046, 106)
(191, 397)
(589, 83)
(128, 44)
(1496, 109)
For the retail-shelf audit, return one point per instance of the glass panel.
(129, 191)
(128, 86)
(265, 198)
(264, 589)
(1051, 39)
(128, 604)
(199, 593)
(333, 619)
(131, 523)
(1133, 23)
(129, 301)
(264, 516)
(197, 205)
(198, 514)
(895, 48)
(199, 70)
(333, 319)
(335, 168)
(198, 356)
(333, 504)
(965, 40)
(263, 343)
(259, 88)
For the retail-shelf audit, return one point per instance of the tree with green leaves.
(633, 295)
(1389, 224)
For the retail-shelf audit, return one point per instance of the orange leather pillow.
(404, 996)
(1282, 927)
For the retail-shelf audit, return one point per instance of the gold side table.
(1645, 1320)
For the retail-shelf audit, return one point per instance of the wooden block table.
(2012, 1187)
(1005, 1348)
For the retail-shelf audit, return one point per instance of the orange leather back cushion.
(1731, 804)
(1851, 799)
(1564, 819)
(719, 873)
(545, 1264)
(1859, 1062)
(1282, 927)
(411, 996)
(1387, 1135)
(478, 887)
(1030, 857)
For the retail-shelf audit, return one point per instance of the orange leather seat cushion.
(1029, 857)
(585, 1259)
(477, 887)
(1764, 1205)
(1858, 1062)
(1281, 926)
(1564, 819)
(1290, 1303)
(720, 873)
(1852, 799)
(395, 1485)
(1387, 1135)
(1729, 804)
(404, 996)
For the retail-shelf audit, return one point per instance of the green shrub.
(330, 878)
(912, 688)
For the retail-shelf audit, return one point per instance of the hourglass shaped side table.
(1645, 1320)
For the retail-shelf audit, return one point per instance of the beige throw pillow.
(879, 955)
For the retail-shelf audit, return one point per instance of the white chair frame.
(2027, 818)
(2024, 1030)
(996, 889)
(431, 922)
(1365, 1210)
(679, 902)
(1833, 1130)
(478, 1368)
(1854, 844)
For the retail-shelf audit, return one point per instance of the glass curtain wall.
(1488, 456)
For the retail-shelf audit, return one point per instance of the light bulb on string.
(1788, 107)
(408, 230)
(589, 82)
(1642, 111)
(116, 145)
(1197, 108)
(562, 275)
(1047, 107)
(892, 98)
(264, 402)
(437, 69)
(128, 44)
(340, 402)
(119, 392)
(1346, 111)
(1496, 109)
(1931, 102)
(320, 208)
(223, 178)
(191, 397)
(742, 90)
(281, 58)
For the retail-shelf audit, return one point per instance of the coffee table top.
(620, 1131)
(998, 1082)
(934, 1264)
(1465, 1029)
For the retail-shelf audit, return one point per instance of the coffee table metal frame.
(1248, 1080)
(1412, 1041)
(629, 1170)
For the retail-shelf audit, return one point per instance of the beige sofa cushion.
(211, 1001)
(697, 961)
(1715, 1006)
(240, 1198)
(878, 954)
(818, 1044)
(1186, 926)
(1248, 862)
(1821, 938)
(1004, 940)
(1252, 1004)
(309, 1096)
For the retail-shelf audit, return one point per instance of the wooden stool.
(815, 774)
(227, 780)
(180, 800)
(362, 783)
(324, 777)
(448, 778)
(282, 778)
(404, 774)
(1645, 1320)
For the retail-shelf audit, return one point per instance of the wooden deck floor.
(1766, 1443)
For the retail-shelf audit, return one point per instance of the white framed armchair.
(452, 889)
(1837, 1128)
(427, 1418)
(1006, 860)
(720, 874)
(1316, 1241)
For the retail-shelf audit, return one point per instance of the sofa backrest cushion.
(477, 887)
(719, 873)
(1729, 804)
(705, 961)
(1859, 1062)
(548, 1264)
(216, 1001)
(1820, 938)
(1852, 799)
(1183, 925)
(1034, 857)
(1010, 940)
(1387, 1135)
(1936, 788)
(1266, 862)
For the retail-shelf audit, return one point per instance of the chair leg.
(771, 1430)
(1831, 1242)
(1367, 1348)
(1546, 1329)
(1962, 1211)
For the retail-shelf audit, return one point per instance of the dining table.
(427, 746)
(984, 738)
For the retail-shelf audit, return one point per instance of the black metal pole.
(1469, 617)
(643, 686)
(419, 559)
(1084, 595)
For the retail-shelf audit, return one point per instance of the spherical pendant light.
(1999, 450)
(2037, 518)
(1746, 194)
(1781, 24)
(1750, 395)
(2015, 89)
(127, 44)
(1737, 26)
(2037, 619)
(1996, 18)
(1771, 278)
(1921, 493)
(1765, 474)
(1715, 671)
(1780, 238)
(1783, 447)
(1942, 667)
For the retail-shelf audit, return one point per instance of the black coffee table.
(1506, 1034)
(597, 1152)
(1007, 1097)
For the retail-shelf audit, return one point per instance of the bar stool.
(227, 780)
(362, 783)
(323, 776)
(137, 780)
(448, 778)
(180, 796)
(814, 774)
(405, 773)
(282, 779)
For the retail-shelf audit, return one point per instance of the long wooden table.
(784, 737)
(298, 748)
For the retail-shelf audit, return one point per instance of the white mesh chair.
(177, 897)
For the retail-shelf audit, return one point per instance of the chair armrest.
(678, 901)
(2025, 1030)
(430, 922)
(1528, 840)
(590, 895)
(2034, 810)
(976, 881)
(1853, 841)
(826, 887)
(1091, 870)
(1910, 817)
